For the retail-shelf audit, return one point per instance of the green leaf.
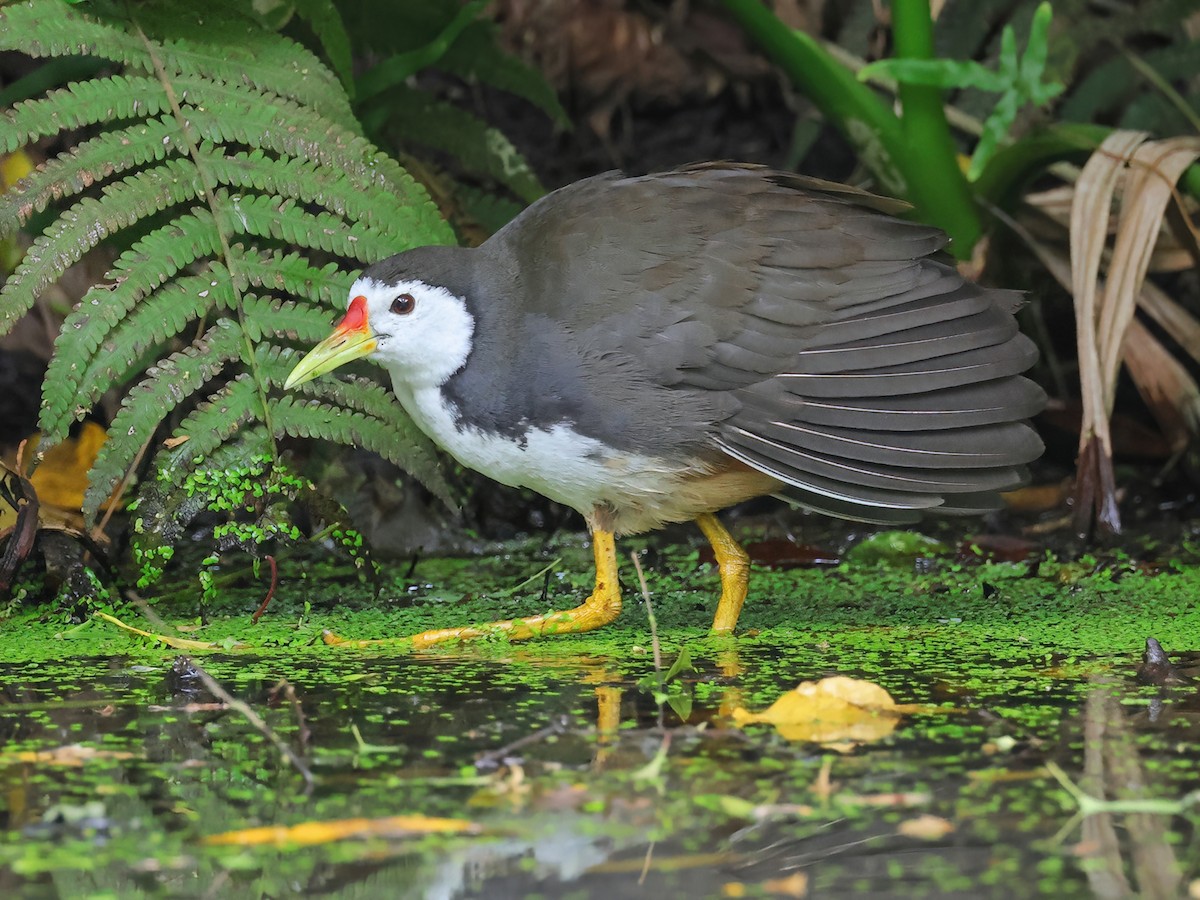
(1034, 61)
(478, 147)
(397, 69)
(683, 663)
(477, 55)
(1009, 63)
(995, 129)
(942, 73)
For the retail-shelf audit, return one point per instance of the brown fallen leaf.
(310, 833)
(1038, 497)
(927, 827)
(833, 710)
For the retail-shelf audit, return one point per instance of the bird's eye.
(404, 304)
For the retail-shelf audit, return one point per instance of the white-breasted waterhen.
(653, 349)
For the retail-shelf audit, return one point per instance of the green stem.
(912, 159)
(852, 107)
(936, 182)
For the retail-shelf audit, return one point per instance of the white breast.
(641, 491)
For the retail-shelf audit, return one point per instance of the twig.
(492, 758)
(637, 564)
(285, 686)
(646, 864)
(270, 591)
(214, 688)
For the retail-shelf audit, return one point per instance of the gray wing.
(799, 329)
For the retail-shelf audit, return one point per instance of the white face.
(422, 332)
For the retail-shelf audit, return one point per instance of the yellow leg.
(599, 609)
(734, 566)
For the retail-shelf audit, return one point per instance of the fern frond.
(221, 113)
(214, 420)
(295, 275)
(312, 418)
(49, 28)
(79, 105)
(157, 257)
(101, 351)
(216, 163)
(265, 216)
(227, 116)
(88, 222)
(264, 317)
(168, 383)
(359, 394)
(88, 163)
(307, 181)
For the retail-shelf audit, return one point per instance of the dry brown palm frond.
(1107, 276)
(1105, 302)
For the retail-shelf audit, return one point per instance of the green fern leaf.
(284, 220)
(79, 105)
(219, 158)
(88, 222)
(312, 418)
(216, 419)
(379, 210)
(266, 317)
(88, 163)
(295, 275)
(105, 351)
(274, 63)
(167, 384)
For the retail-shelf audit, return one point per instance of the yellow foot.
(598, 610)
(734, 566)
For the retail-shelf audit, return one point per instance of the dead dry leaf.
(927, 827)
(1104, 306)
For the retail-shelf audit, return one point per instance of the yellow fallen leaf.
(310, 833)
(61, 478)
(68, 755)
(176, 643)
(835, 709)
(14, 167)
(795, 885)
(926, 827)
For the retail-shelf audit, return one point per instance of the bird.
(652, 349)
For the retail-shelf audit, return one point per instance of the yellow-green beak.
(352, 339)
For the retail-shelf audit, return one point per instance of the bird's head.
(403, 315)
